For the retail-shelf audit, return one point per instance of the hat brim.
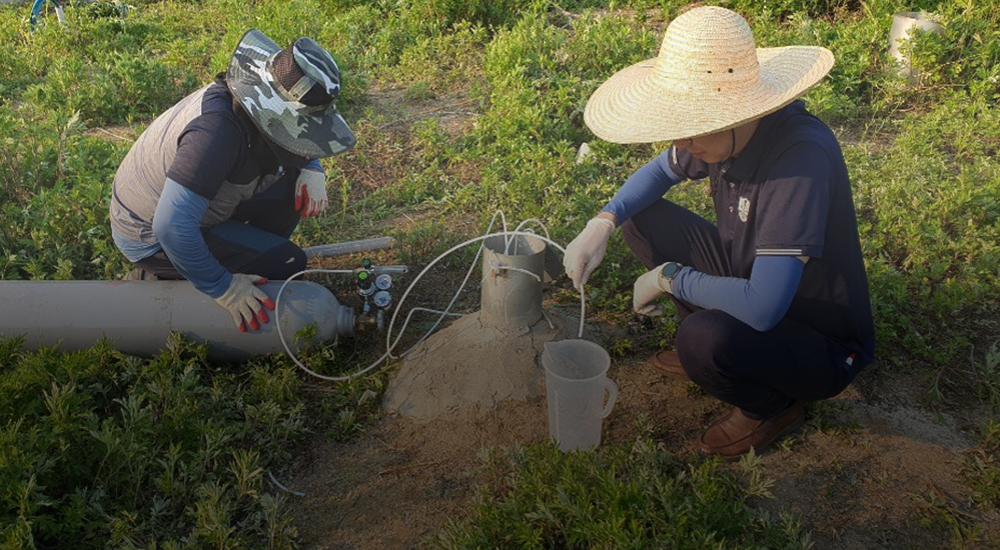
(290, 124)
(637, 105)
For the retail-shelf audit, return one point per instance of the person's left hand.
(646, 290)
(310, 193)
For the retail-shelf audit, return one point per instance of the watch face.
(670, 269)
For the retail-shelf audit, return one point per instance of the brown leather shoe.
(667, 362)
(734, 434)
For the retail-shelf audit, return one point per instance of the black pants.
(253, 241)
(759, 372)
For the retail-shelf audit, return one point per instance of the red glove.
(310, 193)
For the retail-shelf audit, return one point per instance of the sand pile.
(469, 369)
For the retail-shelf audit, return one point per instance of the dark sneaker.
(667, 362)
(139, 274)
(735, 434)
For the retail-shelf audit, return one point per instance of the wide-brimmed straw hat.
(289, 94)
(709, 76)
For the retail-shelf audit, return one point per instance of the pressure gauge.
(382, 299)
(383, 281)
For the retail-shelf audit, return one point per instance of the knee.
(631, 234)
(288, 261)
(298, 262)
(646, 231)
(636, 233)
(705, 343)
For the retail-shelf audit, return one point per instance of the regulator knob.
(365, 285)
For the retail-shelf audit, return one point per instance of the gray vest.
(141, 176)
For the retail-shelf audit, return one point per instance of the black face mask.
(284, 157)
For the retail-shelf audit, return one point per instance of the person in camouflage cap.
(215, 186)
(289, 94)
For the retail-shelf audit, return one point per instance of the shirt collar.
(745, 166)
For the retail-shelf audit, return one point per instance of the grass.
(188, 441)
(626, 496)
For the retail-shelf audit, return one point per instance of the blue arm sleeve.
(314, 165)
(643, 188)
(760, 302)
(177, 225)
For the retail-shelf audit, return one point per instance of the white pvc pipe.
(351, 247)
(905, 25)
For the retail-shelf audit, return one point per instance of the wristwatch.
(667, 274)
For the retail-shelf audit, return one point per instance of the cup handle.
(612, 396)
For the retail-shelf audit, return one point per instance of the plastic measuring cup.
(575, 384)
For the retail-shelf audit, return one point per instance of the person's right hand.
(586, 251)
(245, 302)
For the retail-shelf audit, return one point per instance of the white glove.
(246, 303)
(310, 193)
(586, 251)
(647, 289)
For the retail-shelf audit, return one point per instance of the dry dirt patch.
(403, 480)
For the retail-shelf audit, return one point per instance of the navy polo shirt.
(788, 194)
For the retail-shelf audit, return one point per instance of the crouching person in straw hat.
(773, 297)
(213, 189)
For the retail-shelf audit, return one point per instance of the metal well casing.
(511, 295)
(139, 316)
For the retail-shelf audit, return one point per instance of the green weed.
(622, 496)
(99, 448)
(986, 377)
(981, 468)
(943, 513)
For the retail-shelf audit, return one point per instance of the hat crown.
(317, 64)
(710, 50)
(305, 73)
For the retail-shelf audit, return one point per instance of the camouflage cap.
(289, 94)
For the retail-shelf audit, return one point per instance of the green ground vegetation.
(104, 450)
(626, 496)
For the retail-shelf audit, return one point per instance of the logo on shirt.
(744, 209)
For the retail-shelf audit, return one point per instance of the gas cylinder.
(139, 316)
